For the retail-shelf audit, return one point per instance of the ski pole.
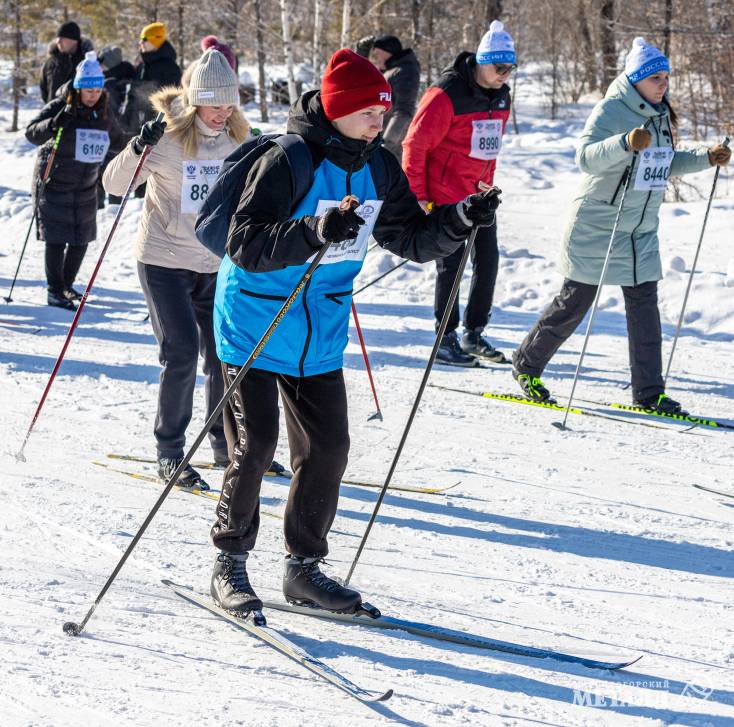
(439, 335)
(20, 456)
(627, 176)
(380, 277)
(693, 270)
(378, 413)
(46, 174)
(74, 629)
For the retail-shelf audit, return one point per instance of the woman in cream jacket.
(203, 125)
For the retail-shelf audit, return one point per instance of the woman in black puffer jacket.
(67, 201)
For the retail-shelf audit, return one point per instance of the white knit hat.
(496, 45)
(644, 60)
(213, 82)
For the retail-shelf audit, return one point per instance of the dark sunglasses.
(503, 68)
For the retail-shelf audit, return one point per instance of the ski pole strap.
(52, 155)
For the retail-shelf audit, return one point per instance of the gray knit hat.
(213, 82)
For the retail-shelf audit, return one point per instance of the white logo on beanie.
(385, 96)
(643, 60)
(496, 45)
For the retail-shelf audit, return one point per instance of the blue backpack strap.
(380, 172)
(301, 164)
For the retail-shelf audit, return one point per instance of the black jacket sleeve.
(405, 230)
(261, 236)
(43, 83)
(40, 128)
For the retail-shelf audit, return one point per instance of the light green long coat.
(602, 157)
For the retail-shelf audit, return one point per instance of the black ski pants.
(181, 303)
(315, 409)
(485, 260)
(62, 266)
(561, 318)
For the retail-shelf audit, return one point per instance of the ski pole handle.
(52, 155)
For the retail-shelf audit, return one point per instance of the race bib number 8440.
(654, 168)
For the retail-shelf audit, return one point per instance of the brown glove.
(719, 155)
(639, 139)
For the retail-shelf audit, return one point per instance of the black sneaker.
(661, 404)
(59, 300)
(189, 478)
(473, 343)
(230, 585)
(276, 469)
(449, 352)
(305, 585)
(71, 294)
(532, 387)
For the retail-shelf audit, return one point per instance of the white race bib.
(486, 139)
(91, 145)
(198, 177)
(654, 168)
(351, 250)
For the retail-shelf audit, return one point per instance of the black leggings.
(62, 266)
(485, 259)
(315, 409)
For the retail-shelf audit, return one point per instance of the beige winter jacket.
(166, 235)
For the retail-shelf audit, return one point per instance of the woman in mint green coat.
(630, 131)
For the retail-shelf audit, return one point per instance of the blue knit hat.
(496, 45)
(89, 73)
(644, 60)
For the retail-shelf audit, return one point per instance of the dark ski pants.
(62, 266)
(561, 318)
(315, 409)
(181, 304)
(485, 259)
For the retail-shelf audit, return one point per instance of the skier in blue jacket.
(271, 240)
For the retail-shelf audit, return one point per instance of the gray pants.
(561, 318)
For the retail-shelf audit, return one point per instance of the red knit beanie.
(351, 83)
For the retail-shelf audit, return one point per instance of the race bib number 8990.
(486, 139)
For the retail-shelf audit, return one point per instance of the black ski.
(277, 641)
(715, 492)
(199, 465)
(372, 618)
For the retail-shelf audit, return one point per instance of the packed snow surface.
(592, 541)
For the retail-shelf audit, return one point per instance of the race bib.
(91, 145)
(351, 250)
(486, 139)
(198, 177)
(654, 168)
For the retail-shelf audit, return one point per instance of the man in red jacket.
(451, 146)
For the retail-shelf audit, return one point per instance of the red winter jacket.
(436, 151)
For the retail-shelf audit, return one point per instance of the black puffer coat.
(67, 202)
(403, 73)
(158, 68)
(59, 68)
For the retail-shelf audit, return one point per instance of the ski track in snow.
(590, 541)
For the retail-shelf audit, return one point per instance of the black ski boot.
(71, 294)
(533, 387)
(305, 585)
(59, 300)
(449, 352)
(277, 469)
(230, 586)
(473, 343)
(189, 478)
(661, 404)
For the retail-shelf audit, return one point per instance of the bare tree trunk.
(492, 11)
(17, 79)
(260, 44)
(587, 45)
(181, 39)
(318, 29)
(415, 17)
(346, 24)
(608, 44)
(431, 42)
(285, 11)
(666, 26)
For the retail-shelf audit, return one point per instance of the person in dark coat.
(157, 67)
(65, 53)
(118, 76)
(67, 202)
(403, 72)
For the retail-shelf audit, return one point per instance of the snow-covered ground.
(591, 541)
